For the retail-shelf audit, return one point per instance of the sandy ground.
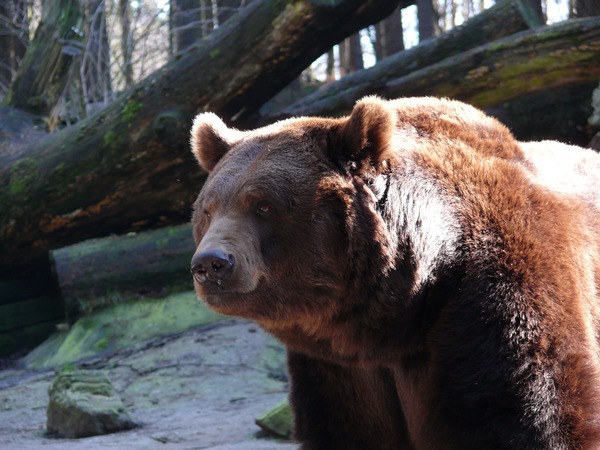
(197, 390)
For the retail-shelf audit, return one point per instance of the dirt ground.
(201, 389)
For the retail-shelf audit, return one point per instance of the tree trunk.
(426, 19)
(43, 73)
(185, 21)
(389, 36)
(330, 67)
(126, 41)
(536, 6)
(14, 29)
(586, 8)
(227, 8)
(206, 17)
(356, 53)
(338, 98)
(95, 68)
(129, 166)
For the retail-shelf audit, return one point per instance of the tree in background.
(124, 13)
(389, 37)
(124, 41)
(14, 37)
(585, 8)
(187, 22)
(426, 17)
(351, 55)
(95, 66)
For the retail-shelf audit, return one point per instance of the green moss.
(528, 76)
(121, 326)
(277, 421)
(215, 53)
(102, 343)
(112, 139)
(36, 102)
(23, 174)
(130, 110)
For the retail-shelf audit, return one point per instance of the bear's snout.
(212, 265)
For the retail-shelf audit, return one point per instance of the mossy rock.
(278, 421)
(120, 326)
(84, 403)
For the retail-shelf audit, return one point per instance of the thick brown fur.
(434, 280)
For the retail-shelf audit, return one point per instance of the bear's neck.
(405, 258)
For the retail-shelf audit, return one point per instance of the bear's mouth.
(202, 280)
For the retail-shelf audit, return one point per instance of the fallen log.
(537, 82)
(335, 99)
(29, 310)
(129, 166)
(526, 63)
(559, 114)
(97, 272)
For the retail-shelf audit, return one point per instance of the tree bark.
(42, 75)
(338, 98)
(129, 166)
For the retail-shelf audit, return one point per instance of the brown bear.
(434, 280)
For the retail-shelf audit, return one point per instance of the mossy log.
(100, 271)
(526, 63)
(538, 82)
(503, 19)
(129, 166)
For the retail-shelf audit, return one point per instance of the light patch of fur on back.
(564, 169)
(419, 213)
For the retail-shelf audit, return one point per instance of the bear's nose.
(212, 265)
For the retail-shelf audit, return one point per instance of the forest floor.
(197, 389)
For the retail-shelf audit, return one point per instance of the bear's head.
(288, 211)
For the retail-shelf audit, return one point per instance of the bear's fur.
(434, 280)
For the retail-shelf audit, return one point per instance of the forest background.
(118, 43)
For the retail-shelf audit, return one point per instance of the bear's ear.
(211, 139)
(367, 135)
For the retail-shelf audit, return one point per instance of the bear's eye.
(263, 209)
(207, 214)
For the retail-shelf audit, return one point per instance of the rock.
(278, 420)
(84, 403)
